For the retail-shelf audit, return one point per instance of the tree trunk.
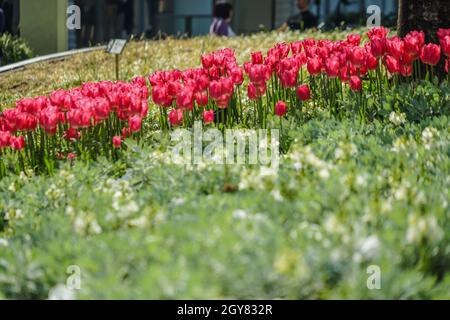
(424, 15)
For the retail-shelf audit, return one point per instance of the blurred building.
(42, 22)
(11, 10)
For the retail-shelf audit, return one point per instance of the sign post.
(116, 47)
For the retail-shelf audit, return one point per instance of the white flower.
(138, 222)
(12, 187)
(61, 292)
(324, 174)
(397, 118)
(361, 180)
(3, 242)
(276, 194)
(95, 228)
(178, 201)
(399, 144)
(370, 247)
(240, 214)
(339, 153)
(423, 228)
(127, 210)
(79, 224)
(429, 135)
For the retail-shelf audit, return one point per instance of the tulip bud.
(280, 108)
(117, 142)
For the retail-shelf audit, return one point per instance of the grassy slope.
(139, 58)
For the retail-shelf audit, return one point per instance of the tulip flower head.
(117, 142)
(303, 92)
(280, 109)
(431, 54)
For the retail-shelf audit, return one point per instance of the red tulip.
(40, 103)
(371, 62)
(185, 98)
(354, 39)
(378, 47)
(135, 124)
(414, 42)
(280, 108)
(5, 138)
(288, 78)
(392, 65)
(144, 108)
(160, 96)
(216, 89)
(255, 91)
(57, 97)
(139, 81)
(237, 75)
(442, 33)
(25, 122)
(406, 70)
(431, 54)
(355, 83)
(296, 47)
(257, 57)
(259, 73)
(445, 44)
(71, 156)
(303, 92)
(117, 142)
(17, 143)
(49, 119)
(395, 47)
(332, 67)
(377, 33)
(126, 132)
(314, 66)
(101, 109)
(201, 98)
(176, 117)
(25, 105)
(71, 135)
(79, 118)
(208, 116)
(173, 88)
(207, 61)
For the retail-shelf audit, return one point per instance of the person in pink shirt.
(220, 26)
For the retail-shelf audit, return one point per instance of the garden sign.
(116, 47)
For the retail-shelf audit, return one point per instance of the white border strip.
(50, 57)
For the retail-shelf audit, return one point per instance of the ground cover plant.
(88, 178)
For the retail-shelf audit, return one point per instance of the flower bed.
(362, 182)
(92, 120)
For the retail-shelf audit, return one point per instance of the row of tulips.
(71, 123)
(328, 72)
(94, 119)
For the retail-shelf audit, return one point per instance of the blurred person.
(126, 8)
(85, 36)
(152, 10)
(301, 21)
(2, 18)
(111, 21)
(220, 26)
